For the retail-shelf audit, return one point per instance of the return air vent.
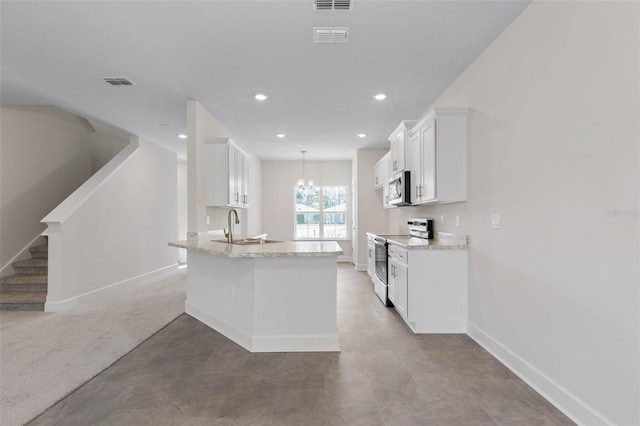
(332, 5)
(118, 81)
(330, 34)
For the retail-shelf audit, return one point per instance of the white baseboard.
(362, 267)
(344, 258)
(572, 406)
(311, 343)
(227, 330)
(62, 305)
(24, 254)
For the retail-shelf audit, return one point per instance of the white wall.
(115, 227)
(202, 125)
(105, 142)
(182, 208)
(371, 216)
(45, 156)
(553, 147)
(278, 204)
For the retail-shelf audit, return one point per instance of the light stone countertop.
(445, 241)
(279, 249)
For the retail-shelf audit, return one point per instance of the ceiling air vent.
(332, 5)
(118, 81)
(330, 34)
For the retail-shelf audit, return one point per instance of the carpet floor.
(45, 356)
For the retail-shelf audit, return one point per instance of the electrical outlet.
(496, 221)
(208, 220)
(442, 220)
(457, 220)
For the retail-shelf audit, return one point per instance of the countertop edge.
(239, 252)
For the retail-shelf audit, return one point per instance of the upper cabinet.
(228, 174)
(381, 179)
(380, 172)
(438, 157)
(398, 139)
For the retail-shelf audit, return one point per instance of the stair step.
(22, 301)
(39, 252)
(18, 282)
(31, 266)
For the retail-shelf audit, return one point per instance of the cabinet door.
(401, 142)
(391, 280)
(401, 281)
(428, 160)
(397, 153)
(415, 166)
(243, 179)
(379, 173)
(371, 250)
(234, 191)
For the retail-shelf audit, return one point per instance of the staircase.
(26, 290)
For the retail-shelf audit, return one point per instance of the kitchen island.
(274, 297)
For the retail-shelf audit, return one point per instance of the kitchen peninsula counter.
(273, 249)
(273, 297)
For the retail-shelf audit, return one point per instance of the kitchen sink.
(248, 242)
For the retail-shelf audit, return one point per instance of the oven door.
(381, 259)
(380, 275)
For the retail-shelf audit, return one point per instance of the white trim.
(310, 343)
(227, 330)
(572, 406)
(22, 255)
(344, 258)
(301, 343)
(361, 267)
(62, 305)
(70, 204)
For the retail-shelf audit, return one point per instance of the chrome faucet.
(230, 233)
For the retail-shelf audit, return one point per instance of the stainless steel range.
(419, 228)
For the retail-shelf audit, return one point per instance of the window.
(321, 213)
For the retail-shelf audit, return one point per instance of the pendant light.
(302, 183)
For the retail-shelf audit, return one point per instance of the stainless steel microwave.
(399, 189)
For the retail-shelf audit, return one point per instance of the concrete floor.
(188, 374)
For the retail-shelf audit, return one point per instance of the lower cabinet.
(371, 257)
(398, 279)
(429, 288)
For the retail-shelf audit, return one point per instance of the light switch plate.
(496, 222)
(208, 220)
(442, 220)
(457, 220)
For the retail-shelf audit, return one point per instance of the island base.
(281, 304)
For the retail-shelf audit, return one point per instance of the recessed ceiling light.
(280, 135)
(261, 97)
(380, 97)
(182, 136)
(362, 135)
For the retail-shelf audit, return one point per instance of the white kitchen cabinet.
(381, 179)
(380, 172)
(399, 139)
(371, 257)
(398, 276)
(438, 157)
(228, 174)
(398, 273)
(428, 288)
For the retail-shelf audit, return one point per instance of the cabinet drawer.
(398, 253)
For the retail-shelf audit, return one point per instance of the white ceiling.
(222, 52)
